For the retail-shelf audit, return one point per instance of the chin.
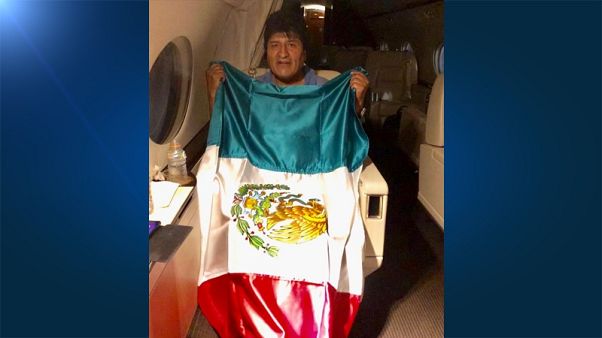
(286, 77)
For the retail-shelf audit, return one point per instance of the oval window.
(438, 59)
(169, 90)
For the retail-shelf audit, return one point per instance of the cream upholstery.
(374, 193)
(434, 122)
(391, 76)
(346, 59)
(430, 179)
(373, 189)
(256, 72)
(325, 73)
(411, 132)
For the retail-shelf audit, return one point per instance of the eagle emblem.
(269, 213)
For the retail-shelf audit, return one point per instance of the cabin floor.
(404, 297)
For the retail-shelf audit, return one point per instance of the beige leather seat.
(411, 133)
(393, 79)
(391, 75)
(374, 194)
(430, 178)
(349, 58)
(325, 73)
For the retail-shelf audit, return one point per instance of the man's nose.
(283, 51)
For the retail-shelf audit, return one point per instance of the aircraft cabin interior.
(400, 44)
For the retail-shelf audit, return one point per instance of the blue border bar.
(73, 142)
(522, 193)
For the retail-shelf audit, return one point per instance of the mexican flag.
(281, 232)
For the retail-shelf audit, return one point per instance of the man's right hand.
(214, 75)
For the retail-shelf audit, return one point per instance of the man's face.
(286, 57)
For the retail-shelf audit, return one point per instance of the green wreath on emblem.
(291, 221)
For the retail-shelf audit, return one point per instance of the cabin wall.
(422, 26)
(241, 42)
(217, 30)
(200, 22)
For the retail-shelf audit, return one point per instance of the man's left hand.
(360, 83)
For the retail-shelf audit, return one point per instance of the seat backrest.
(328, 55)
(346, 59)
(258, 72)
(434, 116)
(392, 73)
(325, 73)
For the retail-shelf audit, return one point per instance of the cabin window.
(169, 90)
(438, 59)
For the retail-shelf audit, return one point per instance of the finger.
(361, 79)
(215, 68)
(358, 74)
(357, 84)
(364, 81)
(219, 75)
(359, 90)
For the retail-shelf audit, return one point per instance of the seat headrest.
(258, 71)
(325, 73)
(434, 115)
(394, 72)
(346, 59)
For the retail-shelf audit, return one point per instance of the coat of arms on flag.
(282, 236)
(266, 214)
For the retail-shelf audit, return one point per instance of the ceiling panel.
(368, 8)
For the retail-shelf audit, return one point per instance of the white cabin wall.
(242, 33)
(200, 22)
(218, 30)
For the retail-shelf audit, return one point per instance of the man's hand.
(360, 83)
(214, 75)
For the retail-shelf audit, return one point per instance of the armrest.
(374, 193)
(371, 181)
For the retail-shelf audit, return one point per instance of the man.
(285, 40)
(297, 270)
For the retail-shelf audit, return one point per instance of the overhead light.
(315, 7)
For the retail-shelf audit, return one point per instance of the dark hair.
(288, 22)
